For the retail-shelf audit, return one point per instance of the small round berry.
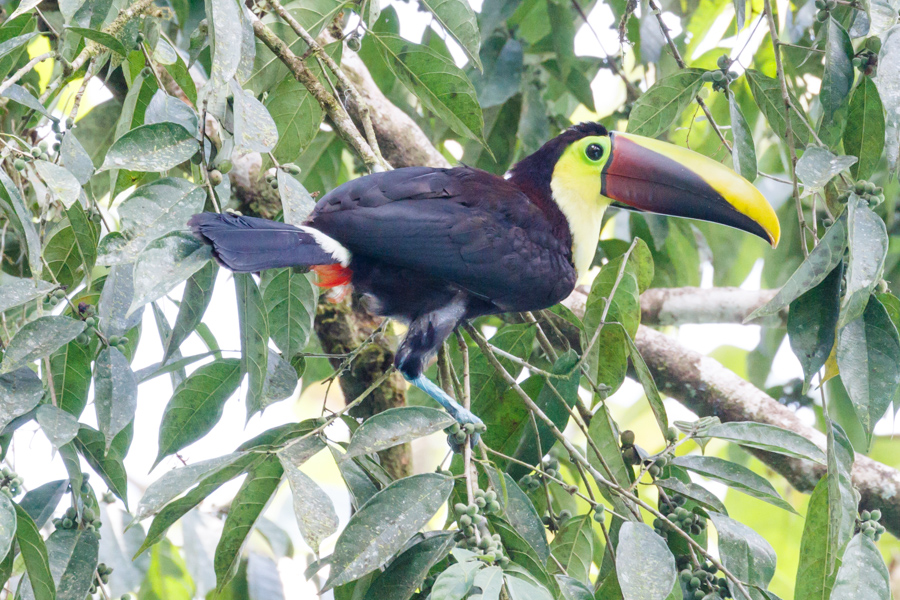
(215, 177)
(19, 164)
(627, 438)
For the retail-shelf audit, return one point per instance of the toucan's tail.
(247, 244)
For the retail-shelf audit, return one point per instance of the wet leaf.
(812, 323)
(384, 523)
(254, 329)
(396, 426)
(197, 404)
(657, 108)
(644, 564)
(107, 462)
(573, 548)
(743, 152)
(156, 147)
(59, 426)
(224, 32)
(115, 393)
(61, 183)
(839, 73)
(118, 292)
(281, 380)
(313, 508)
(16, 291)
(39, 338)
(41, 502)
(868, 243)
(817, 266)
(73, 556)
(745, 553)
(868, 355)
(818, 166)
(863, 573)
(769, 438)
(165, 263)
(197, 295)
(254, 128)
(7, 524)
(864, 133)
(34, 555)
(20, 219)
(290, 300)
(248, 505)
(297, 203)
(455, 582)
(734, 476)
(165, 108)
(815, 577)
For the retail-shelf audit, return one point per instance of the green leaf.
(745, 553)
(225, 20)
(868, 355)
(115, 393)
(7, 524)
(156, 147)
(86, 236)
(818, 265)
(868, 243)
(102, 38)
(16, 291)
(62, 256)
(863, 573)
(165, 108)
(41, 502)
(290, 300)
(281, 380)
(605, 436)
(441, 86)
(487, 385)
(168, 577)
(769, 438)
(34, 555)
(743, 151)
(59, 426)
(573, 548)
(15, 42)
(152, 211)
(501, 78)
(734, 476)
(812, 323)
(864, 132)
(313, 508)
(406, 573)
(522, 515)
(118, 291)
(519, 589)
(455, 582)
(70, 370)
(396, 426)
(572, 589)
(165, 263)
(767, 94)
(38, 339)
(458, 19)
(384, 523)
(197, 404)
(644, 565)
(107, 463)
(254, 329)
(20, 218)
(521, 553)
(197, 295)
(658, 108)
(17, 93)
(73, 556)
(254, 128)
(60, 182)
(815, 577)
(296, 201)
(20, 391)
(650, 390)
(839, 73)
(177, 481)
(248, 505)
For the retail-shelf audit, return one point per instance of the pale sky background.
(32, 450)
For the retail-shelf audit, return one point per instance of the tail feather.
(248, 244)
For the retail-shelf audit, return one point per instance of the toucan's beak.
(653, 176)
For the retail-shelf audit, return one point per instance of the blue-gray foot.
(469, 425)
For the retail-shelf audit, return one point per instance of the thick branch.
(687, 305)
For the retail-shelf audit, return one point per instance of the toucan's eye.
(594, 152)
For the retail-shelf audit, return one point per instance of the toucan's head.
(586, 168)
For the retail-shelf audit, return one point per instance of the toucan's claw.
(470, 425)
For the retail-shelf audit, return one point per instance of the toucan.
(437, 247)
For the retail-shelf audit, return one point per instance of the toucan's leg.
(424, 338)
(462, 415)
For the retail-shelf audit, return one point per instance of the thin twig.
(25, 70)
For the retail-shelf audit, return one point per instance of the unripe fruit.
(627, 438)
(19, 164)
(875, 515)
(465, 520)
(865, 515)
(354, 43)
(873, 44)
(600, 514)
(225, 166)
(459, 508)
(215, 177)
(821, 16)
(672, 435)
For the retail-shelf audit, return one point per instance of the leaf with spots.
(39, 338)
(254, 330)
(156, 148)
(396, 426)
(313, 508)
(382, 525)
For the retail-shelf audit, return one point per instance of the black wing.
(463, 225)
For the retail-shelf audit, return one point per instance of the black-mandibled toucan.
(435, 247)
